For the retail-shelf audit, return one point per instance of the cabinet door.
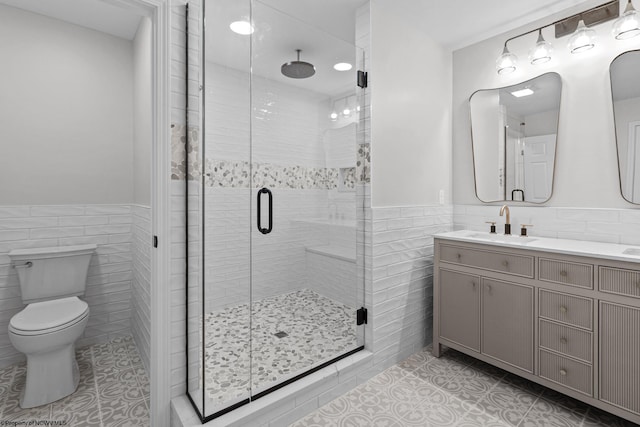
(507, 323)
(620, 355)
(460, 308)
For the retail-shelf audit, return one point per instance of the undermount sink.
(502, 238)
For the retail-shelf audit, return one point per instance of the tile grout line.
(524, 417)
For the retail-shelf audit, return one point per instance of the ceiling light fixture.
(583, 39)
(342, 66)
(541, 52)
(243, 28)
(627, 25)
(522, 92)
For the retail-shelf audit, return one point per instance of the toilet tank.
(51, 273)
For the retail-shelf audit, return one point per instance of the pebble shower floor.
(113, 390)
(291, 333)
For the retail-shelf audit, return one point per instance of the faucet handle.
(523, 229)
(493, 226)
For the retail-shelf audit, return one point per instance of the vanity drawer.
(573, 342)
(570, 309)
(566, 273)
(496, 261)
(570, 373)
(620, 281)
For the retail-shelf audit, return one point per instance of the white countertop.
(612, 251)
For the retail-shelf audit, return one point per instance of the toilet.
(51, 279)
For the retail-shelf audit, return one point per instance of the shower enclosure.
(275, 262)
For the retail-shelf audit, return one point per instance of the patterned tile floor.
(455, 390)
(316, 328)
(113, 390)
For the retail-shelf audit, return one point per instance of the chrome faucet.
(507, 224)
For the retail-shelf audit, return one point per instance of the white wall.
(586, 165)
(411, 110)
(66, 110)
(141, 229)
(142, 113)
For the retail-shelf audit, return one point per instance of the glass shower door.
(273, 280)
(304, 281)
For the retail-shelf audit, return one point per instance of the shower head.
(298, 69)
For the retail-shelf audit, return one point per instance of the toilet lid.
(45, 315)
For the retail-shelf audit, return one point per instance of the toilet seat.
(49, 316)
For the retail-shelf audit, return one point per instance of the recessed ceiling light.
(241, 27)
(342, 66)
(522, 92)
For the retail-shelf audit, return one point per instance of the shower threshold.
(318, 329)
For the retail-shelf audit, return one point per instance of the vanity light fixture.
(244, 28)
(343, 108)
(627, 25)
(583, 39)
(541, 52)
(506, 63)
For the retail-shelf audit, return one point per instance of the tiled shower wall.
(292, 152)
(108, 290)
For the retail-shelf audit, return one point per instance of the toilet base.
(50, 376)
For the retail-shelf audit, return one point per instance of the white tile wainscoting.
(594, 224)
(109, 283)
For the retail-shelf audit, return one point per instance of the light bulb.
(627, 25)
(333, 116)
(506, 63)
(541, 52)
(346, 112)
(583, 39)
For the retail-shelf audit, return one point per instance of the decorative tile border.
(186, 164)
(363, 165)
(185, 152)
(236, 174)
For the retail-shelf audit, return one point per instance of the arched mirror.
(514, 134)
(625, 89)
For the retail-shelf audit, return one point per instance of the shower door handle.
(260, 228)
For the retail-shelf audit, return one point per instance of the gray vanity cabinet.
(507, 322)
(568, 322)
(462, 299)
(619, 350)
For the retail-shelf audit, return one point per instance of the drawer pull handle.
(473, 285)
(563, 273)
(505, 263)
(563, 372)
(563, 309)
(459, 256)
(563, 340)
